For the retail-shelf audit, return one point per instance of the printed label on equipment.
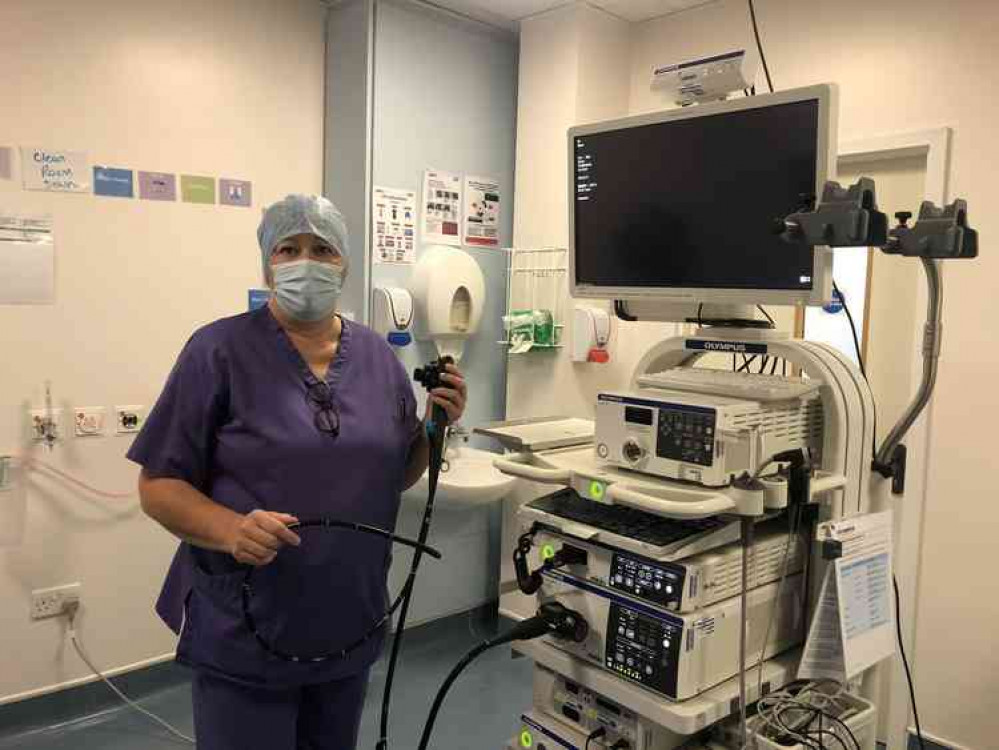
(705, 626)
(738, 347)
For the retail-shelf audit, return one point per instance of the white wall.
(228, 88)
(575, 64)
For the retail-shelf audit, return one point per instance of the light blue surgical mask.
(307, 289)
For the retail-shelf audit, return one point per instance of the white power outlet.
(46, 603)
(46, 425)
(129, 418)
(88, 421)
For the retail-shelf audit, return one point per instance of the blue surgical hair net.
(302, 214)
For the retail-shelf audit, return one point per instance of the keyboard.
(747, 385)
(627, 522)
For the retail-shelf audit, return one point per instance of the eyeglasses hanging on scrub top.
(326, 417)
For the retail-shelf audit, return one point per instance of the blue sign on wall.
(258, 298)
(113, 182)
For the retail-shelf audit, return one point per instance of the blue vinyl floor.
(482, 710)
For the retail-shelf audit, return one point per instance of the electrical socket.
(129, 419)
(88, 421)
(46, 603)
(44, 422)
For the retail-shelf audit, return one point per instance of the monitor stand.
(716, 316)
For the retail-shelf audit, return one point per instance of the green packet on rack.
(536, 326)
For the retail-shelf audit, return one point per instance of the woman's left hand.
(453, 397)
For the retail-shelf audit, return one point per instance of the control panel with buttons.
(686, 433)
(658, 583)
(643, 648)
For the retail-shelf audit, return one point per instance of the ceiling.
(507, 13)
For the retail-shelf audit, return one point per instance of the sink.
(470, 479)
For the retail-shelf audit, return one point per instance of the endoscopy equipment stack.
(687, 521)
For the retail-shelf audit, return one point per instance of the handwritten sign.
(58, 171)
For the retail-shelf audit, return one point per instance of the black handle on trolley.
(529, 581)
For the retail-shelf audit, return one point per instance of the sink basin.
(470, 479)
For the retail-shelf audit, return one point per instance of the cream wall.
(228, 88)
(575, 64)
(901, 66)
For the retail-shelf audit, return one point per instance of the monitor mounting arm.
(850, 218)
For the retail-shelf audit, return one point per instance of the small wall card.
(55, 170)
(235, 192)
(441, 208)
(394, 225)
(257, 298)
(113, 182)
(157, 186)
(482, 211)
(196, 189)
(27, 260)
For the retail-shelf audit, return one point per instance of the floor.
(485, 703)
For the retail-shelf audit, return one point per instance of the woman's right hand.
(260, 535)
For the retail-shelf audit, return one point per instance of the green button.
(597, 490)
(547, 552)
(526, 739)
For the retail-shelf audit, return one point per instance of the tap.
(458, 430)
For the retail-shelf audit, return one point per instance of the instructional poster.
(853, 625)
(60, 171)
(482, 211)
(394, 225)
(441, 208)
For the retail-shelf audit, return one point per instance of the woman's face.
(304, 247)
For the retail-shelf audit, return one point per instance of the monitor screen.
(690, 203)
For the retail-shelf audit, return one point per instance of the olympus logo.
(721, 346)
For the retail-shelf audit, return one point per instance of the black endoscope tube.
(436, 434)
(331, 523)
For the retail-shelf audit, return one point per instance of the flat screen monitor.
(681, 205)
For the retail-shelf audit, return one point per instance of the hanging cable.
(429, 377)
(71, 610)
(905, 663)
(80, 484)
(759, 46)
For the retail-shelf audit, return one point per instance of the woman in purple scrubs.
(288, 412)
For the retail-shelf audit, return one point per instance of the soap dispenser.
(450, 294)
(392, 314)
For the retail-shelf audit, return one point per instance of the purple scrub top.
(234, 421)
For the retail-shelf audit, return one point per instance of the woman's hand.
(453, 397)
(259, 535)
